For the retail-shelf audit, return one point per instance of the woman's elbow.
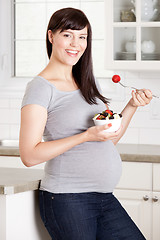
(27, 160)
(27, 163)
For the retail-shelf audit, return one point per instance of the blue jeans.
(86, 216)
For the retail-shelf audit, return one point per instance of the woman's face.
(68, 46)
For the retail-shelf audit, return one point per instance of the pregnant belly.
(93, 165)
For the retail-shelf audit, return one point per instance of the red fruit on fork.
(116, 78)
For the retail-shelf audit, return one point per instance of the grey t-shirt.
(87, 167)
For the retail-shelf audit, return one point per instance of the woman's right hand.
(97, 133)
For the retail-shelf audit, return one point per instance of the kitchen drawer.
(136, 175)
(156, 177)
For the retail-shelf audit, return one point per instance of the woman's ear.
(50, 36)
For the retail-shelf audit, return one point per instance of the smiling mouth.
(72, 53)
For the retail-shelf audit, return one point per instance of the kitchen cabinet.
(139, 193)
(139, 209)
(132, 34)
(19, 205)
(156, 199)
(156, 216)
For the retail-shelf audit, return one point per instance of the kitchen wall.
(144, 127)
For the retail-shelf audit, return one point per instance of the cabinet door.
(156, 177)
(132, 41)
(156, 215)
(138, 204)
(156, 201)
(136, 176)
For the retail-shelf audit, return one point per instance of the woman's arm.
(139, 98)
(33, 151)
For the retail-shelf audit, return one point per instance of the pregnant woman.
(82, 163)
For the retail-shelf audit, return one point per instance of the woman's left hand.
(141, 97)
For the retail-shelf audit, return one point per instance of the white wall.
(145, 126)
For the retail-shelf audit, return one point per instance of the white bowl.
(116, 123)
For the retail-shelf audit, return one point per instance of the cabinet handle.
(155, 199)
(145, 198)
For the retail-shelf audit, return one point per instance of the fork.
(135, 89)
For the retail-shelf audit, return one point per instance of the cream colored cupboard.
(131, 40)
(156, 216)
(139, 210)
(139, 193)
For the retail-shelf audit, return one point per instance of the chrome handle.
(155, 199)
(146, 198)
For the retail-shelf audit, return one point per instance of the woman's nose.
(74, 42)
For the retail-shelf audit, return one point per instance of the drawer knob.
(145, 198)
(155, 199)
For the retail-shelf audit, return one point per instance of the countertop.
(128, 152)
(16, 180)
(9, 151)
(139, 152)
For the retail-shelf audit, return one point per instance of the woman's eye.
(67, 35)
(83, 37)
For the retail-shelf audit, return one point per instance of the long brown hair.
(75, 19)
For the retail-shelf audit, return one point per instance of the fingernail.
(110, 125)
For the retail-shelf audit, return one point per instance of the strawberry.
(109, 112)
(98, 118)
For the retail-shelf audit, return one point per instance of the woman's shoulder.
(37, 92)
(39, 81)
(40, 85)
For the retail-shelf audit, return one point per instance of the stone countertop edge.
(18, 180)
(140, 158)
(28, 186)
(9, 151)
(139, 153)
(128, 152)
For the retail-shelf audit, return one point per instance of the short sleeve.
(37, 92)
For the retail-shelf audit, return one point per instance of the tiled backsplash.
(9, 118)
(144, 127)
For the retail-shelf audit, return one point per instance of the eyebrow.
(72, 32)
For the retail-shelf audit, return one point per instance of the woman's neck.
(57, 71)
(60, 76)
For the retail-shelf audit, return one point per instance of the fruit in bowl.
(106, 117)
